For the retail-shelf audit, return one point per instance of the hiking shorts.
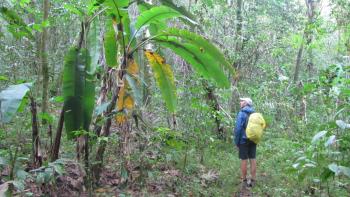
(247, 150)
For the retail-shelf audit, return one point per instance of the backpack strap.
(246, 122)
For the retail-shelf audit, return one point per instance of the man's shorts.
(247, 150)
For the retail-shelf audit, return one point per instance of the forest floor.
(217, 175)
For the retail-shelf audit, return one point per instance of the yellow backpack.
(255, 127)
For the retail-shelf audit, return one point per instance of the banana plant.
(206, 58)
(121, 43)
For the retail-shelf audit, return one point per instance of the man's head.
(245, 101)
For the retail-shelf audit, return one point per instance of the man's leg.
(253, 168)
(251, 155)
(244, 169)
(243, 156)
(252, 162)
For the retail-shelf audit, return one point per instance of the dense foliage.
(139, 98)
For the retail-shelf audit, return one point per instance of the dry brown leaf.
(101, 190)
(120, 101)
(129, 102)
(133, 68)
(120, 118)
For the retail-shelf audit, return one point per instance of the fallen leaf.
(101, 190)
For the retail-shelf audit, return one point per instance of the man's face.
(243, 104)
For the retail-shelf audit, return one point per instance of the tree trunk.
(311, 11)
(113, 80)
(44, 61)
(36, 151)
(298, 64)
(239, 40)
(238, 50)
(105, 131)
(88, 181)
(214, 104)
(104, 87)
(101, 99)
(57, 143)
(308, 36)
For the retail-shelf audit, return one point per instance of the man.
(247, 148)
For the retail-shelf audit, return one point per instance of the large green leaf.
(155, 15)
(156, 28)
(113, 4)
(125, 22)
(158, 25)
(211, 65)
(78, 90)
(191, 19)
(203, 63)
(73, 80)
(94, 45)
(116, 7)
(201, 43)
(89, 90)
(165, 79)
(10, 100)
(187, 55)
(110, 45)
(142, 6)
